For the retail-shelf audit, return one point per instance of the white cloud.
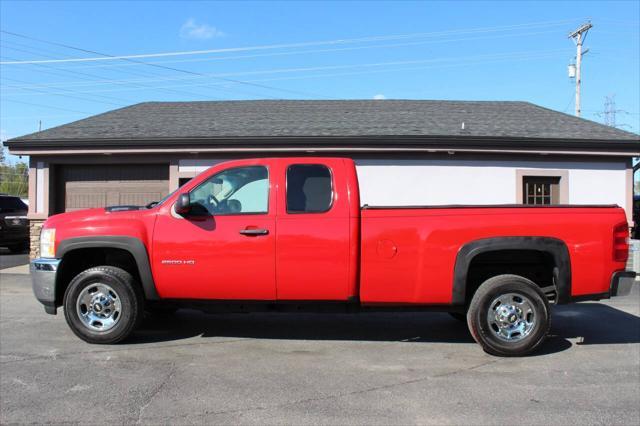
(194, 30)
(379, 96)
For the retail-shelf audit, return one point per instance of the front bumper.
(621, 283)
(43, 279)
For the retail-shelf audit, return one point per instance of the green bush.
(14, 179)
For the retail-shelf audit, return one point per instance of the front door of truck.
(225, 247)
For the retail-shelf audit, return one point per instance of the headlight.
(48, 242)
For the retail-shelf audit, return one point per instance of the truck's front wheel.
(508, 315)
(103, 305)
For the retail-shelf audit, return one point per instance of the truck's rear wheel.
(508, 316)
(103, 305)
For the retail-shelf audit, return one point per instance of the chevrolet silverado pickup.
(286, 234)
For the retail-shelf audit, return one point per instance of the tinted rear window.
(309, 188)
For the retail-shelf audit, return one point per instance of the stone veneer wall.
(35, 226)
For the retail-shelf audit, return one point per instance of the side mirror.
(183, 204)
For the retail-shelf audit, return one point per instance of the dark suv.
(14, 226)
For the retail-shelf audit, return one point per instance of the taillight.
(621, 242)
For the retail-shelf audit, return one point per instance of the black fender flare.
(130, 244)
(555, 247)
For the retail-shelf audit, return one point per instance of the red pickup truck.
(286, 234)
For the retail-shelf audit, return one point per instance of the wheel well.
(535, 265)
(80, 260)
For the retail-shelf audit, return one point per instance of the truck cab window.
(241, 190)
(309, 188)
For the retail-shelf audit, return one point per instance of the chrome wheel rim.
(511, 317)
(99, 307)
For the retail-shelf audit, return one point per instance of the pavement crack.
(341, 394)
(392, 385)
(156, 391)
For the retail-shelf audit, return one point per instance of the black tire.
(487, 335)
(125, 288)
(458, 316)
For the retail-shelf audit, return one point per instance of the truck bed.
(409, 253)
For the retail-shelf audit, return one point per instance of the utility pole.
(578, 37)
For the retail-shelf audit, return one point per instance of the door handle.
(254, 232)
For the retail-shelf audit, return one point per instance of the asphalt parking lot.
(10, 260)
(381, 368)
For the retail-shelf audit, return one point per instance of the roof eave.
(399, 141)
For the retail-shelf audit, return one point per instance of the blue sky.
(320, 50)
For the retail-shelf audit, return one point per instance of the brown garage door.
(87, 186)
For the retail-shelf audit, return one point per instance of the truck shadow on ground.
(595, 324)
(590, 323)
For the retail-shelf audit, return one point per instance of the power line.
(69, 96)
(45, 55)
(29, 51)
(566, 108)
(459, 64)
(306, 52)
(44, 106)
(28, 46)
(374, 71)
(508, 55)
(41, 85)
(154, 65)
(34, 117)
(477, 30)
(343, 74)
(105, 57)
(139, 85)
(618, 22)
(125, 71)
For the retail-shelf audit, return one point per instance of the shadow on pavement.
(591, 323)
(415, 327)
(596, 324)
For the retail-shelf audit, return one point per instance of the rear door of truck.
(313, 239)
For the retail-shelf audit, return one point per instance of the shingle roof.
(292, 118)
